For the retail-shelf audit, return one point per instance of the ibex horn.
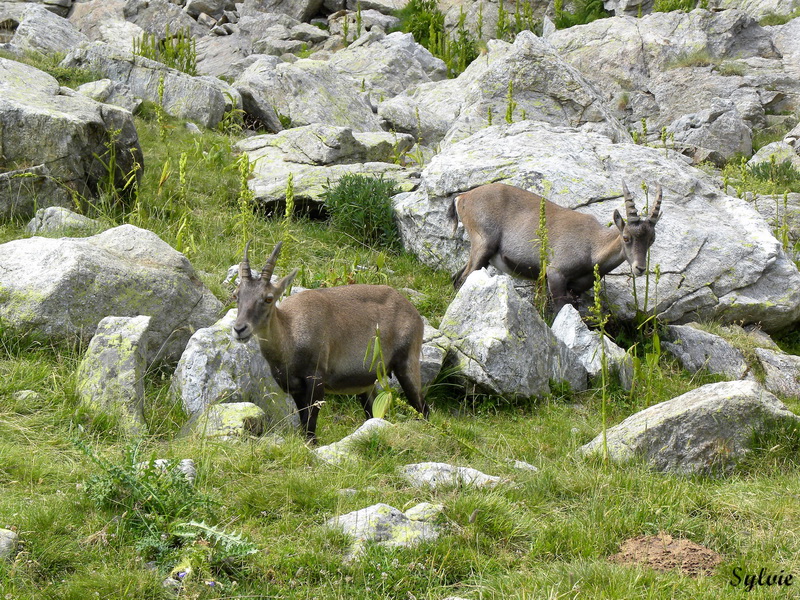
(269, 267)
(656, 208)
(630, 207)
(244, 266)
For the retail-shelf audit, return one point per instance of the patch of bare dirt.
(662, 552)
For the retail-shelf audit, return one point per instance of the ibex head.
(256, 298)
(638, 234)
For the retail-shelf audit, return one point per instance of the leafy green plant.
(177, 50)
(776, 19)
(671, 5)
(600, 319)
(510, 104)
(383, 400)
(246, 199)
(540, 299)
(586, 11)
(361, 206)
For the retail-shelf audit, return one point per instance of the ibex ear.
(619, 221)
(282, 285)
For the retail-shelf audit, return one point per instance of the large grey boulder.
(501, 346)
(185, 96)
(702, 431)
(781, 372)
(155, 16)
(110, 378)
(719, 128)
(781, 213)
(757, 8)
(308, 91)
(229, 421)
(60, 289)
(624, 57)
(42, 31)
(64, 132)
(777, 152)
(729, 267)
(545, 88)
(104, 21)
(318, 155)
(22, 190)
(302, 10)
(568, 326)
(105, 90)
(215, 369)
(388, 64)
(697, 349)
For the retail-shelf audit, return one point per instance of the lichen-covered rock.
(388, 64)
(21, 190)
(308, 91)
(57, 218)
(104, 21)
(65, 132)
(697, 349)
(110, 377)
(317, 156)
(8, 544)
(545, 88)
(343, 450)
(44, 32)
(730, 267)
(436, 475)
(385, 525)
(778, 152)
(782, 372)
(185, 97)
(105, 90)
(60, 289)
(501, 345)
(585, 343)
(702, 431)
(215, 369)
(229, 421)
(720, 129)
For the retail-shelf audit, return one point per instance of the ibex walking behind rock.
(316, 341)
(502, 223)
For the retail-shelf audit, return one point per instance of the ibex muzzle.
(316, 341)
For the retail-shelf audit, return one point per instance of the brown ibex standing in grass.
(316, 341)
(502, 223)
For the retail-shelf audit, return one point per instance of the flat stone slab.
(435, 475)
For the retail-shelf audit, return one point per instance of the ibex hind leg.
(308, 402)
(366, 401)
(480, 255)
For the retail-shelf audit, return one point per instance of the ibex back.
(503, 221)
(316, 341)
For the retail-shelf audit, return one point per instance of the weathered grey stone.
(757, 8)
(697, 349)
(702, 431)
(306, 92)
(42, 31)
(105, 90)
(730, 266)
(781, 212)
(545, 88)
(782, 372)
(521, 465)
(60, 219)
(372, 21)
(229, 421)
(185, 97)
(719, 128)
(104, 21)
(779, 152)
(585, 343)
(22, 190)
(26, 401)
(213, 8)
(501, 346)
(385, 525)
(214, 369)
(436, 475)
(110, 377)
(388, 64)
(45, 124)
(302, 10)
(318, 155)
(8, 544)
(154, 16)
(342, 450)
(60, 289)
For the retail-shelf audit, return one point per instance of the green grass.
(541, 535)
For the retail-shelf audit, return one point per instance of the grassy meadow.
(93, 526)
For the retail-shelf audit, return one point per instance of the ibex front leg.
(308, 401)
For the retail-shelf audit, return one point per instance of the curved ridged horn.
(656, 212)
(269, 267)
(630, 207)
(244, 266)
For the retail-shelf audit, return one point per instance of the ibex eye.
(268, 299)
